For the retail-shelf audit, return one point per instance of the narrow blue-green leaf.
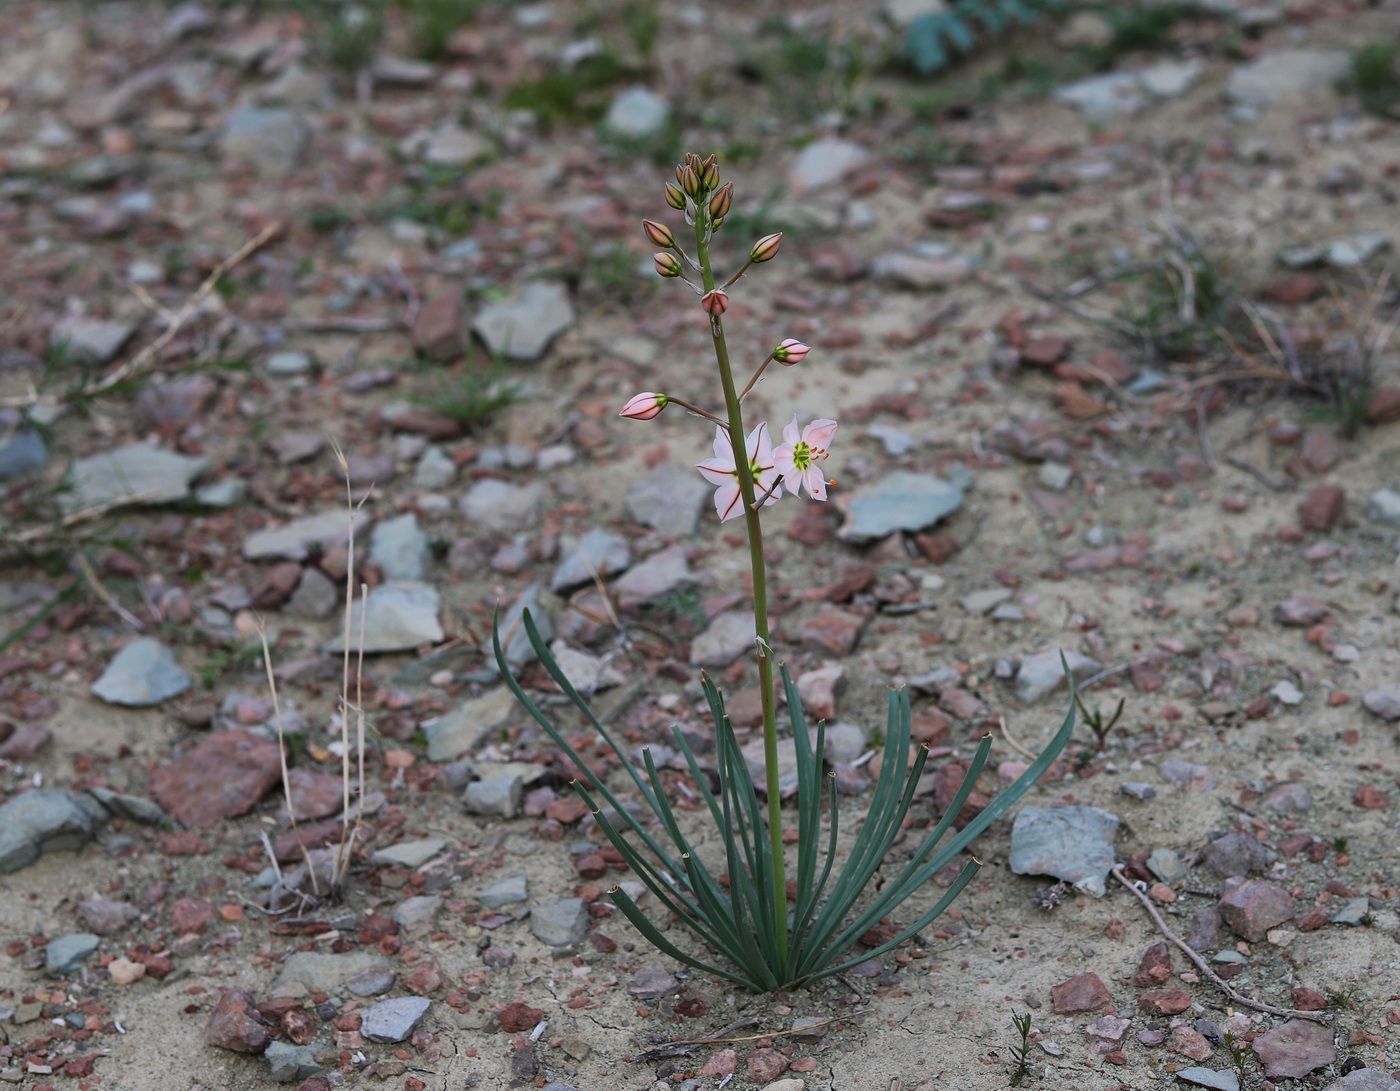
(653, 935)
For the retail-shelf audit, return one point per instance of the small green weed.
(344, 35)
(1097, 724)
(431, 23)
(573, 95)
(683, 605)
(1343, 999)
(1374, 78)
(328, 219)
(1021, 1051)
(475, 395)
(227, 657)
(1340, 845)
(1239, 1055)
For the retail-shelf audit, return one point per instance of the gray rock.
(402, 72)
(597, 554)
(435, 470)
(449, 145)
(415, 915)
(1383, 506)
(515, 641)
(272, 141)
(1043, 673)
(1235, 854)
(293, 447)
(281, 365)
(522, 328)
(895, 442)
(1055, 476)
(1222, 1080)
(500, 796)
(982, 602)
(1137, 790)
(1363, 1079)
(394, 1020)
(461, 729)
(1071, 843)
(903, 12)
(902, 501)
(409, 854)
(326, 972)
(293, 542)
(226, 493)
(653, 984)
(1166, 865)
(1383, 701)
(727, 637)
(668, 500)
(561, 922)
(757, 762)
(315, 598)
(1287, 693)
(135, 474)
(661, 574)
(91, 342)
(66, 952)
(845, 743)
(398, 617)
(637, 113)
(919, 273)
(509, 891)
(39, 821)
(1171, 79)
(135, 808)
(288, 1063)
(106, 917)
(1354, 911)
(1185, 774)
(22, 451)
(142, 674)
(375, 981)
(1347, 253)
(1114, 94)
(1289, 798)
(495, 505)
(400, 548)
(1287, 74)
(296, 86)
(825, 162)
(586, 673)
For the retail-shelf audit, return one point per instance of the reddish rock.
(1147, 677)
(426, 977)
(566, 811)
(299, 1027)
(1320, 450)
(191, 915)
(1086, 992)
(1305, 999)
(810, 528)
(930, 725)
(818, 689)
(235, 1024)
(938, 548)
(960, 703)
(946, 783)
(223, 777)
(1189, 1043)
(1322, 507)
(182, 843)
(1383, 406)
(105, 917)
(277, 585)
(1299, 611)
(1165, 1001)
(1044, 351)
(833, 630)
(765, 1065)
(314, 795)
(591, 866)
(1294, 1049)
(1252, 907)
(1155, 967)
(440, 330)
(26, 742)
(720, 1064)
(519, 1017)
(419, 421)
(1370, 797)
(1291, 289)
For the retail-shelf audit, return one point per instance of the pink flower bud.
(709, 173)
(675, 197)
(645, 405)
(720, 202)
(791, 351)
(766, 249)
(715, 302)
(689, 180)
(659, 234)
(666, 265)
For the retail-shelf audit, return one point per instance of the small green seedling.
(1096, 722)
(1021, 1052)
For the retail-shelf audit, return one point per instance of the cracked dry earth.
(1194, 518)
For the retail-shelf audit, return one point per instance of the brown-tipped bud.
(720, 202)
(715, 302)
(690, 182)
(709, 173)
(667, 265)
(766, 249)
(659, 234)
(675, 197)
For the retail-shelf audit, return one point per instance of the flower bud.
(690, 181)
(715, 302)
(645, 405)
(720, 202)
(766, 249)
(667, 265)
(709, 173)
(659, 234)
(675, 197)
(791, 351)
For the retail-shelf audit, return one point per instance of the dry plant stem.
(282, 758)
(81, 564)
(1325, 1018)
(152, 351)
(754, 525)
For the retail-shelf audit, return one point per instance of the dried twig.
(80, 562)
(1099, 318)
(48, 529)
(1325, 1018)
(1275, 483)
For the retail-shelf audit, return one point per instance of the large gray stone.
(668, 499)
(449, 145)
(1219, 1080)
(394, 1020)
(400, 548)
(1043, 673)
(41, 820)
(497, 796)
(515, 641)
(294, 541)
(637, 113)
(1383, 506)
(562, 922)
(462, 728)
(496, 505)
(288, 1063)
(142, 674)
(1364, 1079)
(398, 617)
(1070, 843)
(327, 972)
(1287, 74)
(409, 854)
(728, 636)
(509, 891)
(522, 328)
(22, 451)
(825, 162)
(415, 916)
(67, 952)
(1383, 701)
(902, 501)
(1114, 94)
(661, 574)
(135, 474)
(272, 141)
(598, 554)
(91, 342)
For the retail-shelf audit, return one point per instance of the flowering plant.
(743, 915)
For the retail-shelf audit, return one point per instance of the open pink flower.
(720, 471)
(799, 453)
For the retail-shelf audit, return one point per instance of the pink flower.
(715, 302)
(792, 351)
(645, 405)
(720, 471)
(797, 457)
